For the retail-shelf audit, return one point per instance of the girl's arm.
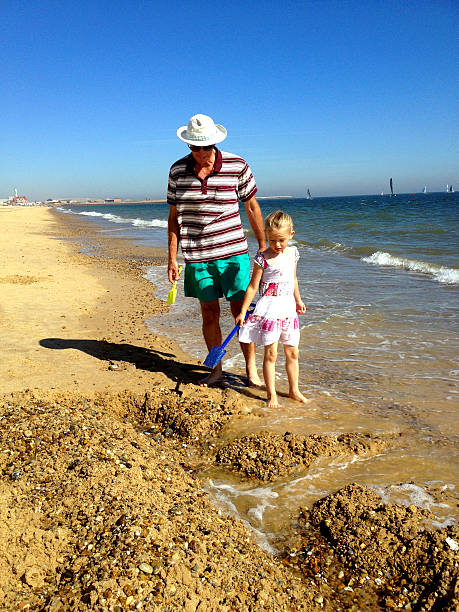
(250, 293)
(300, 307)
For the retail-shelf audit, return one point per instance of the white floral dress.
(275, 317)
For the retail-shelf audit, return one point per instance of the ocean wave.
(329, 245)
(337, 247)
(136, 222)
(441, 274)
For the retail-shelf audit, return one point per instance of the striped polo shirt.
(208, 210)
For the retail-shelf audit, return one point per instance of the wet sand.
(104, 431)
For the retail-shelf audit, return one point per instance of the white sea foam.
(117, 219)
(257, 492)
(407, 494)
(235, 361)
(442, 274)
(224, 494)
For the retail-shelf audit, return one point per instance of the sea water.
(379, 343)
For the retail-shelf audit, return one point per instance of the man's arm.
(252, 208)
(173, 235)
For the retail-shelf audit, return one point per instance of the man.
(203, 193)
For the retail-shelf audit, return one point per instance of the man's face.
(203, 155)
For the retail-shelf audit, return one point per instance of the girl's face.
(278, 239)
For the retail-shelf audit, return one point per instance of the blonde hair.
(278, 219)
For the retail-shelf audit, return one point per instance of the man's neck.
(204, 168)
(209, 162)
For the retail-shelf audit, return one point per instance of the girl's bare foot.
(254, 379)
(272, 402)
(299, 397)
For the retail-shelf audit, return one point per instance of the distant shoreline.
(127, 202)
(287, 197)
(122, 203)
(133, 202)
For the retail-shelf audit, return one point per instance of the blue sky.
(334, 95)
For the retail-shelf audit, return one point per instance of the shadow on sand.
(146, 359)
(142, 358)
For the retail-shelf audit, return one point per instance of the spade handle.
(174, 284)
(231, 334)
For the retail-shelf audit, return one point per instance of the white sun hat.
(201, 130)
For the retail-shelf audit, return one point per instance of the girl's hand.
(239, 320)
(300, 307)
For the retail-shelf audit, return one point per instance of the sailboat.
(308, 195)
(391, 187)
(425, 189)
(450, 190)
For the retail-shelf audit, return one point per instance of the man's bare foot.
(299, 397)
(214, 378)
(272, 402)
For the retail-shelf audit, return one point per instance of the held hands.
(300, 307)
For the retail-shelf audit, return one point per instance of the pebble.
(452, 543)
(146, 568)
(15, 475)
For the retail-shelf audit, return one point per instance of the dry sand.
(103, 430)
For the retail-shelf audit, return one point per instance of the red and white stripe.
(208, 210)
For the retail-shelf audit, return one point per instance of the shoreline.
(103, 433)
(122, 203)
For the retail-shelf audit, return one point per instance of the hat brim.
(218, 136)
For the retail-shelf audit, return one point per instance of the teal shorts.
(211, 280)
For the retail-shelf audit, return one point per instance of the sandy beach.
(103, 432)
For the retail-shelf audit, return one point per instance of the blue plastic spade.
(217, 353)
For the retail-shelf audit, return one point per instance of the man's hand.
(173, 272)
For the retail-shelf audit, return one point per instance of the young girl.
(276, 314)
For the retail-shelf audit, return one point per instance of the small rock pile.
(394, 548)
(192, 414)
(267, 456)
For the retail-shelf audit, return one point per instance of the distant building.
(17, 200)
(112, 200)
